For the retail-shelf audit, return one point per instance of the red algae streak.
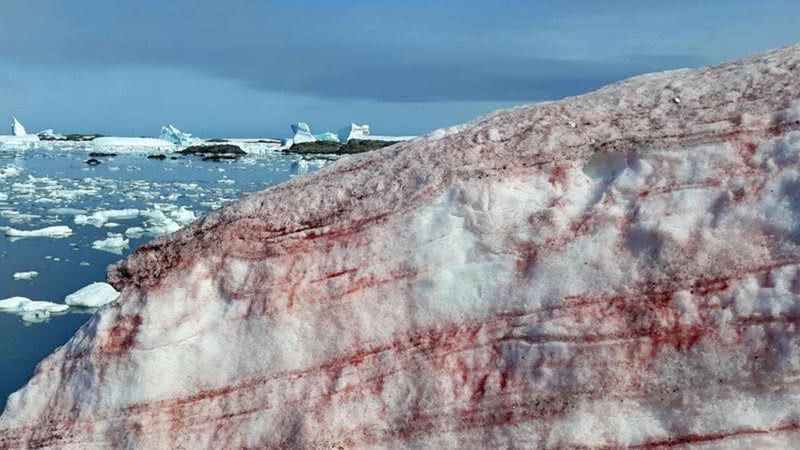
(617, 270)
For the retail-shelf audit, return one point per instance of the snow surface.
(92, 296)
(615, 270)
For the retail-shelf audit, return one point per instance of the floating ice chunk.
(26, 275)
(115, 244)
(65, 211)
(17, 129)
(99, 218)
(134, 232)
(302, 133)
(183, 216)
(10, 171)
(176, 136)
(56, 232)
(12, 303)
(35, 316)
(3, 197)
(36, 305)
(92, 296)
(353, 132)
(30, 310)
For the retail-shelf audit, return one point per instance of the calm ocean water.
(35, 188)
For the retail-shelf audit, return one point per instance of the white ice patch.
(26, 275)
(30, 310)
(99, 218)
(115, 244)
(56, 232)
(92, 296)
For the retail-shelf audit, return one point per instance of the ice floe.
(25, 275)
(59, 231)
(99, 218)
(92, 296)
(31, 310)
(115, 243)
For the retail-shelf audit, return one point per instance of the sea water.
(41, 188)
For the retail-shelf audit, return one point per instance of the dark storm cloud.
(368, 50)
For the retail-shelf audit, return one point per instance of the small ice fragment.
(115, 243)
(56, 232)
(92, 296)
(26, 275)
(134, 232)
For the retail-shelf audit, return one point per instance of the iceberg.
(176, 136)
(92, 296)
(614, 270)
(302, 133)
(353, 131)
(17, 129)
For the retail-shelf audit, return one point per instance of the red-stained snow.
(615, 270)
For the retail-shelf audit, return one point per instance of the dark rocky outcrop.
(101, 155)
(216, 149)
(315, 148)
(363, 145)
(334, 148)
(159, 157)
(92, 162)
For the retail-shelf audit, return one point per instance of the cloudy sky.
(250, 67)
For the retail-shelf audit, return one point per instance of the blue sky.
(249, 68)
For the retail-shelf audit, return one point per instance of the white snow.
(115, 243)
(17, 129)
(59, 231)
(92, 296)
(26, 275)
